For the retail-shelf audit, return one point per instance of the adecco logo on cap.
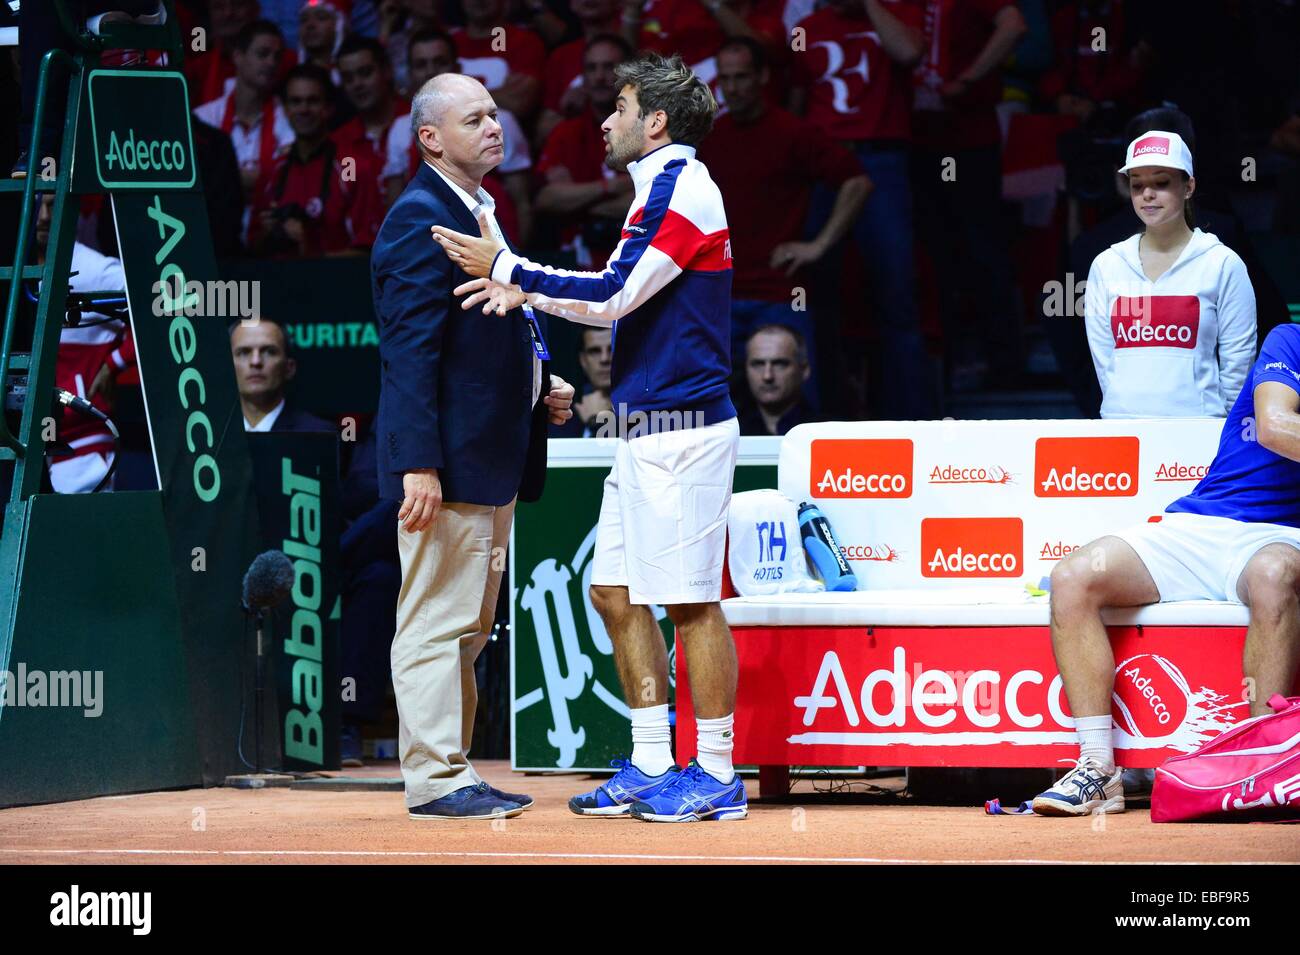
(861, 468)
(971, 546)
(1086, 467)
(1152, 145)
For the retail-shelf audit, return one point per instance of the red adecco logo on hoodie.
(1155, 321)
(1086, 467)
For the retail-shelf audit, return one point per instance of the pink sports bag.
(1252, 771)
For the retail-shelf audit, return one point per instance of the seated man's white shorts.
(663, 517)
(1195, 557)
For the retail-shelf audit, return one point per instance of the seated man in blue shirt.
(1236, 536)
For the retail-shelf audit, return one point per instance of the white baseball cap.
(1158, 148)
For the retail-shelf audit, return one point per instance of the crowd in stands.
(902, 177)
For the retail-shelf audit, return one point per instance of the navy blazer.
(456, 386)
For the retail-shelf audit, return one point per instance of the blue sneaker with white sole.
(695, 796)
(615, 798)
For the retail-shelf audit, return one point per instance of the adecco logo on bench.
(1086, 467)
(972, 546)
(861, 468)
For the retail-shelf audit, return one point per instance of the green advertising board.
(567, 710)
(137, 148)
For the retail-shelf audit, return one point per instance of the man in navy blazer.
(461, 433)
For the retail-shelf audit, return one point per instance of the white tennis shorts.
(663, 518)
(1196, 557)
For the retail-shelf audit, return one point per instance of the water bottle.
(823, 550)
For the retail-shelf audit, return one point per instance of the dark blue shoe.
(525, 802)
(469, 802)
(616, 797)
(694, 796)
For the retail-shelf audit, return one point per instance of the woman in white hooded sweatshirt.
(1170, 311)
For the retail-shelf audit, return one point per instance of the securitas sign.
(138, 148)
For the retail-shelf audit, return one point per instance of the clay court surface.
(295, 826)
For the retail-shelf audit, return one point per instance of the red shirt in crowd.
(578, 145)
(766, 172)
(563, 70)
(318, 187)
(688, 28)
(1101, 76)
(210, 73)
(855, 91)
(524, 53)
(370, 155)
(955, 32)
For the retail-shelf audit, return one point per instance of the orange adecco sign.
(861, 468)
(972, 546)
(1086, 467)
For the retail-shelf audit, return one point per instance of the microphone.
(268, 581)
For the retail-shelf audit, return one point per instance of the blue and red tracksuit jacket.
(666, 292)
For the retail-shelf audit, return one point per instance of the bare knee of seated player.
(1105, 573)
(1270, 583)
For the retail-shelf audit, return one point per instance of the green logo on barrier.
(141, 149)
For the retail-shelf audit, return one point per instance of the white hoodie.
(1178, 347)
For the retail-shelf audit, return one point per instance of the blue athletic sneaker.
(695, 796)
(615, 798)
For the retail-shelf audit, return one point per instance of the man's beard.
(622, 152)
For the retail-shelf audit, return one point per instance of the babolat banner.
(196, 426)
(299, 501)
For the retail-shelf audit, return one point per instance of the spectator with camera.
(306, 204)
(585, 199)
(759, 150)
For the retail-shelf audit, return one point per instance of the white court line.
(399, 853)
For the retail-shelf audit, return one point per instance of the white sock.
(714, 747)
(652, 750)
(1095, 740)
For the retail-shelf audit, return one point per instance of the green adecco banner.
(200, 452)
(568, 711)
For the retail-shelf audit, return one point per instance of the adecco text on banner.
(861, 468)
(972, 546)
(1086, 467)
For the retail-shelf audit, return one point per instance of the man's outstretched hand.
(496, 299)
(474, 254)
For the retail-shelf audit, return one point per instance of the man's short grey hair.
(663, 83)
(776, 328)
(429, 107)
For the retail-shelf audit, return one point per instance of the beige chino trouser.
(445, 610)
